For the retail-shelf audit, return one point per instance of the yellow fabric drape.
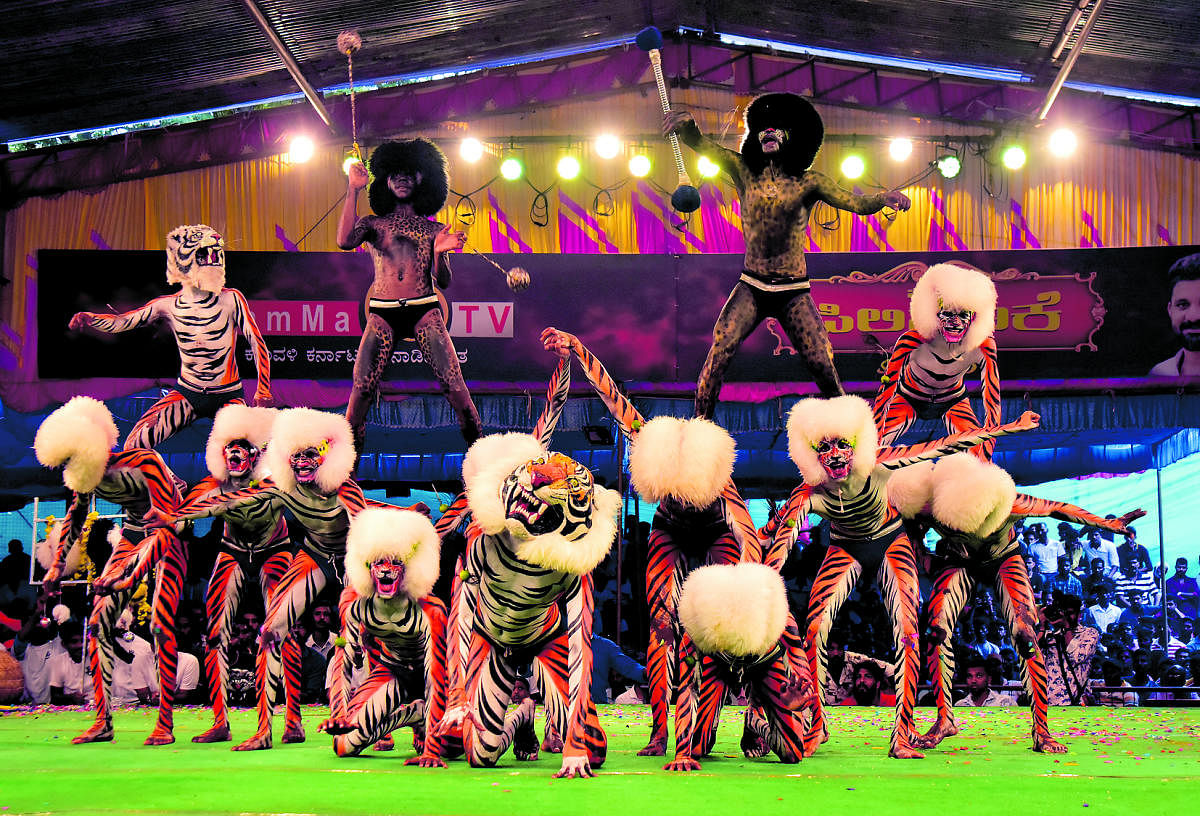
(257, 204)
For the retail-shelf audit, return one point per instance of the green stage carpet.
(1121, 761)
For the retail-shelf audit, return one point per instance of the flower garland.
(86, 567)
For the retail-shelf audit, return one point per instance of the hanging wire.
(539, 208)
(348, 42)
(465, 208)
(324, 215)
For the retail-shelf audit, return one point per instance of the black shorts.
(403, 315)
(205, 404)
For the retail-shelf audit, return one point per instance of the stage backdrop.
(1063, 314)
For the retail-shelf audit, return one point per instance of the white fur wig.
(581, 555)
(298, 428)
(814, 419)
(910, 489)
(81, 434)
(237, 422)
(734, 609)
(957, 287)
(971, 495)
(690, 459)
(379, 532)
(45, 550)
(486, 466)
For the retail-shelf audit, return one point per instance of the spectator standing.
(319, 640)
(1097, 546)
(608, 658)
(1129, 552)
(1045, 552)
(1069, 647)
(1183, 589)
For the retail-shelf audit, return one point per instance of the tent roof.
(73, 66)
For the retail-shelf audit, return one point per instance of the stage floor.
(1121, 761)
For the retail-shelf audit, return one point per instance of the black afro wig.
(412, 155)
(785, 111)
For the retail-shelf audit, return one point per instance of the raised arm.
(683, 125)
(579, 605)
(258, 346)
(556, 399)
(435, 684)
(606, 387)
(905, 455)
(904, 346)
(1027, 505)
(351, 231)
(117, 323)
(831, 193)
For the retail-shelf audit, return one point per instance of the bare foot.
(159, 736)
(685, 764)
(753, 745)
(259, 742)
(905, 750)
(99, 732)
(940, 730)
(386, 744)
(218, 733)
(657, 746)
(1046, 744)
(292, 734)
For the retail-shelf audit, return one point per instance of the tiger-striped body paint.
(706, 679)
(867, 536)
(926, 379)
(994, 559)
(721, 533)
(405, 642)
(323, 519)
(255, 547)
(205, 318)
(137, 480)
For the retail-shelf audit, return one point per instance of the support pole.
(292, 66)
(1063, 72)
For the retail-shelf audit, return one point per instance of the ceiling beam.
(293, 67)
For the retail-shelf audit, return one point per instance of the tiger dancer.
(80, 437)
(687, 467)
(738, 633)
(389, 616)
(834, 446)
(205, 317)
(973, 506)
(953, 314)
(310, 459)
(255, 547)
(458, 642)
(540, 527)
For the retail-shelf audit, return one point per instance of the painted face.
(240, 457)
(196, 257)
(307, 462)
(1184, 311)
(954, 322)
(835, 455)
(388, 574)
(550, 494)
(403, 184)
(772, 139)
